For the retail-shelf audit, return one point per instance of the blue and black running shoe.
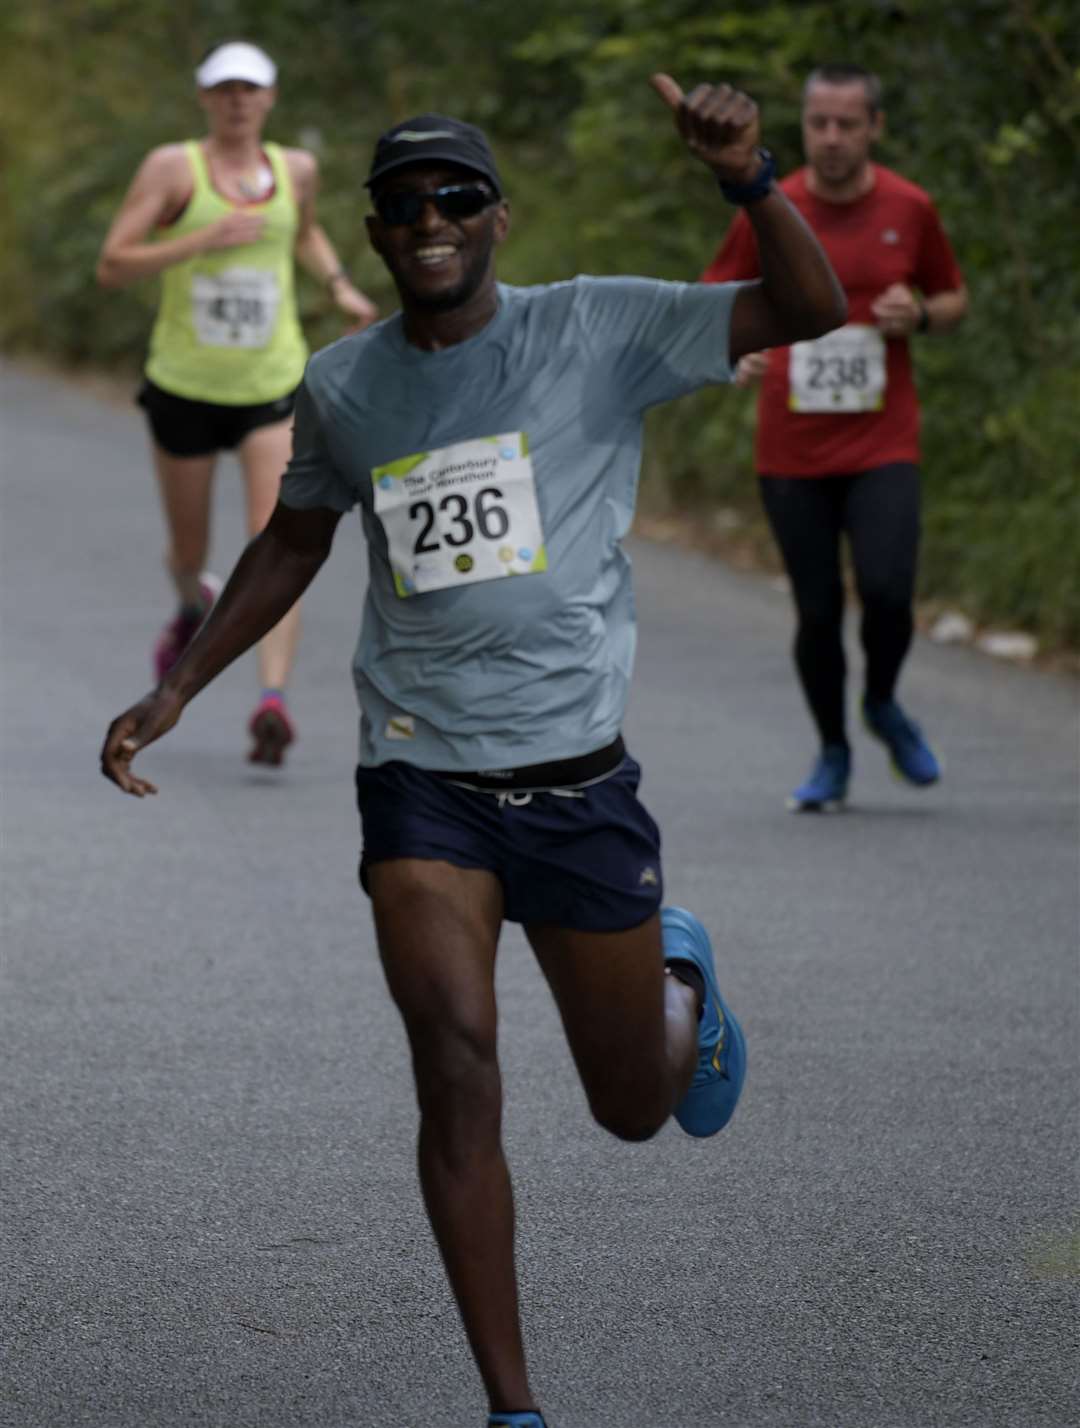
(714, 1092)
(826, 788)
(516, 1420)
(911, 756)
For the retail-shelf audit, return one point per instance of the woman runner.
(221, 219)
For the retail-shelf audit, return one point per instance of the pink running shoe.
(272, 730)
(179, 632)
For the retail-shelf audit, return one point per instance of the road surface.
(209, 1209)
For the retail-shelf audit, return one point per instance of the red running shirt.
(891, 235)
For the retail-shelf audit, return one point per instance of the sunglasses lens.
(399, 208)
(462, 202)
(455, 201)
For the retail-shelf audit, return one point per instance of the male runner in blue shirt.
(491, 436)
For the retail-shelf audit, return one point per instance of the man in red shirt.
(837, 445)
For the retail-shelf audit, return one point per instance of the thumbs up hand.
(718, 124)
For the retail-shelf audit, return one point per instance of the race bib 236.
(460, 514)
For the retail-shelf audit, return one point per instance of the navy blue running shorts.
(584, 858)
(183, 427)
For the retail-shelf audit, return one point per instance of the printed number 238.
(836, 372)
(486, 515)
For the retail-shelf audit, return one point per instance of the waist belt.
(562, 773)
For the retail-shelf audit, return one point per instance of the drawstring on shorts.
(519, 799)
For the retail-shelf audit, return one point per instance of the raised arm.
(270, 576)
(798, 295)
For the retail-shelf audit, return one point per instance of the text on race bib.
(235, 308)
(460, 514)
(844, 371)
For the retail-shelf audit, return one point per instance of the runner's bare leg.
(438, 929)
(264, 453)
(632, 1029)
(185, 484)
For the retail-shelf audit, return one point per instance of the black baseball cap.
(432, 138)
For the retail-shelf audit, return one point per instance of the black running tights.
(878, 510)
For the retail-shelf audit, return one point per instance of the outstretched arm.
(269, 578)
(798, 295)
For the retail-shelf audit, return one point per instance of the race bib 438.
(463, 513)
(235, 308)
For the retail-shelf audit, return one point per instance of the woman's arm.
(159, 189)
(314, 250)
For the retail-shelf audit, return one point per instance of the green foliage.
(983, 109)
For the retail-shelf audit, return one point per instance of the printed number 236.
(487, 516)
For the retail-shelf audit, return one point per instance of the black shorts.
(583, 858)
(183, 427)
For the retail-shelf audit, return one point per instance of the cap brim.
(237, 61)
(432, 157)
(230, 74)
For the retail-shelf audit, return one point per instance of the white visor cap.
(236, 60)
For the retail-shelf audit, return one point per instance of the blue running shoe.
(714, 1092)
(516, 1420)
(912, 757)
(826, 788)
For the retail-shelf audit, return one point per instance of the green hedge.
(983, 109)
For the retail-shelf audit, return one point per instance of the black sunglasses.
(456, 200)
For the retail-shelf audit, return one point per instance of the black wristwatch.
(760, 187)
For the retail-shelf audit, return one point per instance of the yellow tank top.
(227, 329)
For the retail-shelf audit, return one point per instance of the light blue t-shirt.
(495, 480)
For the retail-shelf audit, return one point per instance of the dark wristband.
(923, 324)
(760, 187)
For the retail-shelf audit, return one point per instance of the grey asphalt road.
(209, 1209)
